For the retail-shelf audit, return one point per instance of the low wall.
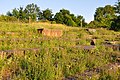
(114, 47)
(51, 32)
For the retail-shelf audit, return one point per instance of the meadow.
(26, 54)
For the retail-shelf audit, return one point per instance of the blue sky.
(86, 8)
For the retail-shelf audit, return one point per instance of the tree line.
(33, 13)
(106, 17)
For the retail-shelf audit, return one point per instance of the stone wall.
(51, 32)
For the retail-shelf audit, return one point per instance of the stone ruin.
(50, 32)
(93, 41)
(91, 31)
(108, 44)
(112, 44)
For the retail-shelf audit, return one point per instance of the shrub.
(8, 18)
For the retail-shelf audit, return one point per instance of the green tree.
(116, 22)
(64, 12)
(18, 13)
(65, 17)
(9, 13)
(59, 18)
(15, 13)
(68, 20)
(79, 20)
(117, 7)
(105, 16)
(32, 11)
(93, 24)
(22, 14)
(47, 14)
(73, 17)
(40, 15)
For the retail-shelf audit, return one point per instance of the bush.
(53, 22)
(116, 24)
(68, 21)
(7, 18)
(93, 24)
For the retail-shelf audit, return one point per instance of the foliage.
(59, 18)
(4, 18)
(52, 58)
(47, 14)
(104, 16)
(117, 7)
(65, 17)
(116, 24)
(107, 17)
(68, 20)
(93, 24)
(32, 11)
(9, 13)
(15, 13)
(116, 21)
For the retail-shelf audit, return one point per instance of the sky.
(86, 8)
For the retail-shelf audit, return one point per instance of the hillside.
(28, 55)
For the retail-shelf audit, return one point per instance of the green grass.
(57, 58)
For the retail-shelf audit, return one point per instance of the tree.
(40, 15)
(117, 7)
(105, 16)
(32, 11)
(73, 17)
(65, 17)
(47, 14)
(9, 13)
(93, 24)
(15, 13)
(69, 21)
(79, 20)
(116, 24)
(64, 12)
(59, 18)
(116, 21)
(22, 14)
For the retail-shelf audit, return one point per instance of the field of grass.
(27, 55)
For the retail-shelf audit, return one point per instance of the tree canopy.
(107, 16)
(33, 12)
(65, 17)
(117, 7)
(116, 21)
(47, 14)
(104, 16)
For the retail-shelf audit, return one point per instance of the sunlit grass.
(57, 57)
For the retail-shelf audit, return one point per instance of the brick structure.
(40, 30)
(93, 41)
(50, 32)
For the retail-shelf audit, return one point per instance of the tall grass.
(56, 58)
